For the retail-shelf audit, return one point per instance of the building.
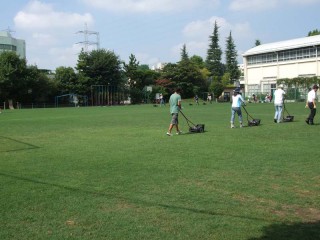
(8, 43)
(159, 66)
(266, 63)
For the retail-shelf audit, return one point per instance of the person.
(237, 101)
(311, 104)
(175, 106)
(209, 98)
(161, 100)
(254, 98)
(196, 98)
(278, 103)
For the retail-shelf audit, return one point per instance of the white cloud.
(50, 34)
(149, 5)
(252, 5)
(259, 5)
(39, 16)
(303, 2)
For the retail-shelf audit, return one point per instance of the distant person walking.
(175, 106)
(209, 99)
(161, 100)
(278, 103)
(311, 104)
(196, 98)
(237, 101)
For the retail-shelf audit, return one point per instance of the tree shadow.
(295, 231)
(20, 145)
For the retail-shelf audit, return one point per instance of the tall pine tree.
(231, 60)
(213, 60)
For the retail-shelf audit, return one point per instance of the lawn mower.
(193, 128)
(288, 118)
(253, 121)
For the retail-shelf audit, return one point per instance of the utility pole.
(86, 43)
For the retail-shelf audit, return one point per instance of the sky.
(153, 31)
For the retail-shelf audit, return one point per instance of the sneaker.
(275, 120)
(178, 133)
(169, 134)
(307, 121)
(232, 125)
(241, 125)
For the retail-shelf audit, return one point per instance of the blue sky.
(153, 30)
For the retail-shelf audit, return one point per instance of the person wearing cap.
(278, 103)
(311, 104)
(237, 101)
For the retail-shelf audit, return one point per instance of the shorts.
(174, 120)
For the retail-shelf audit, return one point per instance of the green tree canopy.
(231, 60)
(257, 42)
(314, 32)
(13, 72)
(100, 67)
(131, 71)
(214, 53)
(67, 80)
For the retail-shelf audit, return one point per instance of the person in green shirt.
(175, 106)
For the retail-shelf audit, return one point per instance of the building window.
(289, 55)
(253, 89)
(7, 47)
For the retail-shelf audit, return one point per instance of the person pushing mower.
(237, 101)
(175, 106)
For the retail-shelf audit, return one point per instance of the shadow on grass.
(295, 231)
(25, 146)
(136, 201)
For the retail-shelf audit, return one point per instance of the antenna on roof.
(8, 30)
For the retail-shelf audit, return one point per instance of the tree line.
(26, 83)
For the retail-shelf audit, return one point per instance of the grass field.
(112, 173)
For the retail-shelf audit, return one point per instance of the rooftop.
(284, 45)
(5, 34)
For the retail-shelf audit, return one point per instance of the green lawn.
(112, 173)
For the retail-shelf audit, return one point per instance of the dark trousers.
(313, 112)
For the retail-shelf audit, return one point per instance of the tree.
(216, 87)
(39, 87)
(198, 61)
(257, 42)
(184, 54)
(189, 77)
(67, 80)
(99, 67)
(13, 72)
(314, 32)
(131, 71)
(231, 60)
(213, 60)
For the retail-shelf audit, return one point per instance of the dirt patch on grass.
(306, 214)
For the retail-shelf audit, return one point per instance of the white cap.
(280, 86)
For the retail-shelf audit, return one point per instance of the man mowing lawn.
(311, 104)
(175, 106)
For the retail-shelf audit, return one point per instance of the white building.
(159, 66)
(8, 43)
(266, 63)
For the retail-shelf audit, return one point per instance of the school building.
(266, 63)
(8, 43)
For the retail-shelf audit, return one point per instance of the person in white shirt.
(237, 101)
(311, 104)
(278, 103)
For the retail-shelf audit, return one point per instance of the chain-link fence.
(292, 94)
